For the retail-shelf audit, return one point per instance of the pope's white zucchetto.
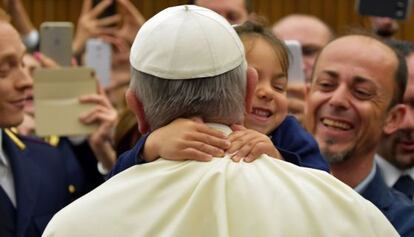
(186, 42)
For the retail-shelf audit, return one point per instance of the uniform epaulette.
(14, 130)
(13, 136)
(31, 139)
(52, 140)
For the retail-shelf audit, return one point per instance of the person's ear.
(136, 106)
(251, 81)
(394, 118)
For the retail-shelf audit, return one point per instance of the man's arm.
(22, 22)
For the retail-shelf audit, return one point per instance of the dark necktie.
(405, 184)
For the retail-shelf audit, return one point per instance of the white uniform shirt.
(391, 173)
(6, 174)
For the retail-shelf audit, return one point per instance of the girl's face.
(270, 105)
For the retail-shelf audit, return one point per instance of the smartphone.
(56, 41)
(295, 71)
(397, 9)
(56, 98)
(109, 11)
(98, 55)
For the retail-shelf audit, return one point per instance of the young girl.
(270, 130)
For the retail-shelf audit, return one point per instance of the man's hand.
(45, 62)
(106, 117)
(90, 26)
(296, 101)
(132, 21)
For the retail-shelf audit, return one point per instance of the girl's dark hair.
(254, 29)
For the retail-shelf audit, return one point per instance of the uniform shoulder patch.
(15, 138)
(22, 140)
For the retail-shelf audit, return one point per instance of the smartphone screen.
(295, 71)
(98, 55)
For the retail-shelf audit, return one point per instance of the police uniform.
(85, 157)
(45, 180)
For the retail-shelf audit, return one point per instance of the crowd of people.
(200, 133)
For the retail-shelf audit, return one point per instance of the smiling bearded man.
(357, 82)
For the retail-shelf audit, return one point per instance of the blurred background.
(338, 14)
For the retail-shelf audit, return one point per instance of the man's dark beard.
(335, 157)
(401, 135)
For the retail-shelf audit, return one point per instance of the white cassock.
(222, 198)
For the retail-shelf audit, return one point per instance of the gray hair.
(215, 99)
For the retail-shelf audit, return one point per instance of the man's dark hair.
(248, 4)
(403, 49)
(401, 77)
(256, 29)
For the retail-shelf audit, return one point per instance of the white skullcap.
(185, 42)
